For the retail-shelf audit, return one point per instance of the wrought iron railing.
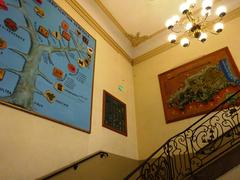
(188, 152)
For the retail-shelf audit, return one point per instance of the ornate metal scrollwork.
(156, 170)
(187, 152)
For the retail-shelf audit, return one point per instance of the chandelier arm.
(205, 29)
(192, 17)
(179, 24)
(189, 34)
(175, 31)
(219, 19)
(213, 32)
(205, 18)
(189, 17)
(204, 23)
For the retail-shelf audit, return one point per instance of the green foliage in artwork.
(200, 87)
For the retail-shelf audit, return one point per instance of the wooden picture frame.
(47, 63)
(114, 115)
(181, 94)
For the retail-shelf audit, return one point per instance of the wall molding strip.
(92, 22)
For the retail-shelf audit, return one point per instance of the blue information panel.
(46, 62)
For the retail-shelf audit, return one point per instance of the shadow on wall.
(99, 168)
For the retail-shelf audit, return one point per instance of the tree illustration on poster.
(46, 62)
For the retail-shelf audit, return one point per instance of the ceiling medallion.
(195, 26)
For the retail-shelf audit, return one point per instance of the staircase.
(97, 166)
(205, 150)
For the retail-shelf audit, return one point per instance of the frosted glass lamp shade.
(218, 27)
(175, 19)
(221, 11)
(184, 8)
(172, 38)
(169, 24)
(203, 37)
(184, 42)
(192, 2)
(188, 26)
(207, 4)
(205, 12)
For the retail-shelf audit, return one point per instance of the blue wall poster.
(46, 62)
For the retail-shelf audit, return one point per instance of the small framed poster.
(114, 114)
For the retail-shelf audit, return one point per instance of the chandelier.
(195, 26)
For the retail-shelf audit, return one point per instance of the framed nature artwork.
(46, 62)
(197, 87)
(114, 114)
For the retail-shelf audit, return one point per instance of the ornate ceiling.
(138, 26)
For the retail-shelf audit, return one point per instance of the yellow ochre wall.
(31, 147)
(151, 126)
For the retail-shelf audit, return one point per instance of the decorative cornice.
(160, 49)
(92, 22)
(136, 39)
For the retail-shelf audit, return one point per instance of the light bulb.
(169, 23)
(184, 8)
(188, 26)
(192, 2)
(218, 27)
(221, 11)
(207, 4)
(203, 37)
(175, 19)
(205, 12)
(172, 38)
(185, 42)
